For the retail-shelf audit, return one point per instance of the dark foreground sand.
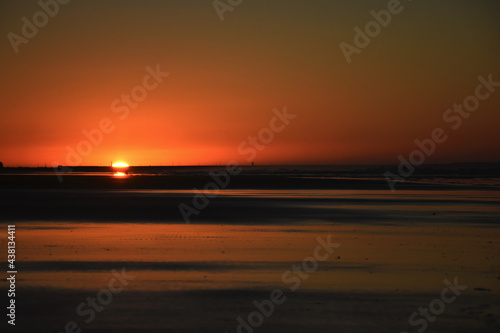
(201, 278)
(216, 311)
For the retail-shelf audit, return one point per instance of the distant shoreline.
(260, 166)
(449, 176)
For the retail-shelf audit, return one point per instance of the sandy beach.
(189, 278)
(394, 254)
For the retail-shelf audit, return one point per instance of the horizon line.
(248, 165)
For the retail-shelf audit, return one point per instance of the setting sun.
(120, 165)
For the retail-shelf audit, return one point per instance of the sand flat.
(370, 258)
(396, 250)
(202, 277)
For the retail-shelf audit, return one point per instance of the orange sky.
(225, 78)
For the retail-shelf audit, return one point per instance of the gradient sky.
(226, 78)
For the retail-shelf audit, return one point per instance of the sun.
(120, 169)
(120, 165)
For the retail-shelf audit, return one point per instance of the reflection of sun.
(120, 174)
(120, 165)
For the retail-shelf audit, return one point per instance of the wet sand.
(396, 249)
(192, 278)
